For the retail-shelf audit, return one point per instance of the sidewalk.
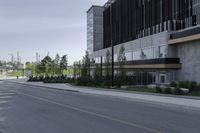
(164, 99)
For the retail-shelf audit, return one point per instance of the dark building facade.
(133, 19)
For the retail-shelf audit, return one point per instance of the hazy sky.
(54, 26)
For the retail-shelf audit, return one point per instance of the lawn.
(15, 73)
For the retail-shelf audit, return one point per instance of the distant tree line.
(86, 72)
(10, 65)
(48, 66)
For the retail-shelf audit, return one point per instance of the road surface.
(28, 109)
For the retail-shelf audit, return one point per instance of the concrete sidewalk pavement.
(184, 101)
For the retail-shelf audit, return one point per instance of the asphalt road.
(28, 109)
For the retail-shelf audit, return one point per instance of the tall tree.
(121, 63)
(63, 63)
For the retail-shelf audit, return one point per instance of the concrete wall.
(189, 54)
(153, 41)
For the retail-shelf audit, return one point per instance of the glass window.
(163, 77)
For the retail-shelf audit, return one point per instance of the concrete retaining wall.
(189, 54)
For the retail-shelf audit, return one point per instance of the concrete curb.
(136, 92)
(48, 87)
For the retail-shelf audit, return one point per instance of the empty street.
(29, 109)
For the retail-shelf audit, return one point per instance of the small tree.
(97, 75)
(87, 63)
(85, 70)
(57, 60)
(121, 63)
(30, 66)
(63, 64)
(108, 69)
(76, 69)
(56, 65)
(46, 65)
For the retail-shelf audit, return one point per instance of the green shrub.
(168, 91)
(198, 87)
(193, 86)
(158, 89)
(41, 78)
(118, 81)
(184, 84)
(173, 84)
(56, 79)
(90, 84)
(177, 91)
(35, 79)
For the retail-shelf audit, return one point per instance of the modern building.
(161, 37)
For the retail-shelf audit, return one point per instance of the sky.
(44, 26)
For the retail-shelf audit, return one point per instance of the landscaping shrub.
(177, 91)
(158, 89)
(168, 91)
(118, 81)
(173, 84)
(90, 84)
(184, 84)
(198, 87)
(193, 86)
(32, 79)
(40, 78)
(48, 79)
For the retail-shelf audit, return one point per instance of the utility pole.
(74, 71)
(101, 66)
(18, 61)
(37, 58)
(12, 58)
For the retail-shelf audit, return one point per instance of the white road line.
(1, 108)
(5, 97)
(2, 119)
(2, 102)
(4, 91)
(94, 114)
(5, 94)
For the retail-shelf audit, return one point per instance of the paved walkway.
(164, 99)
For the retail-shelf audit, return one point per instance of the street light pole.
(112, 46)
